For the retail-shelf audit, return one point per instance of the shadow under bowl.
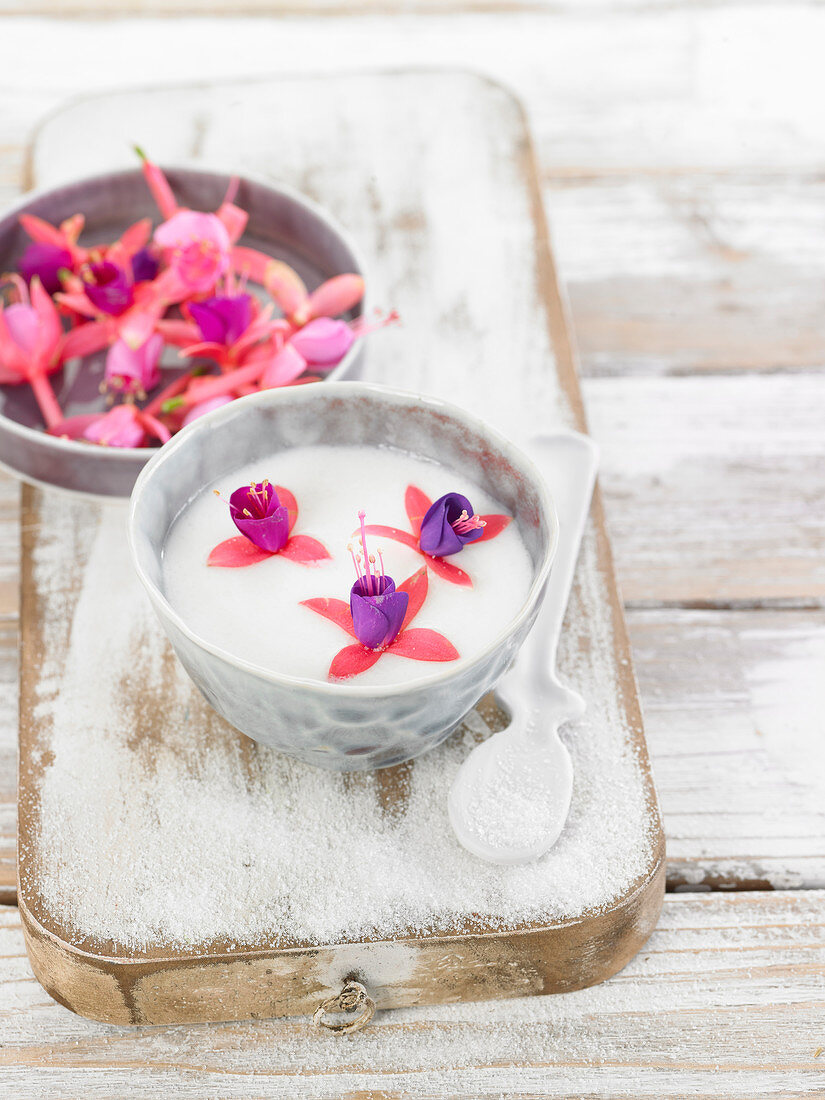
(282, 223)
(339, 726)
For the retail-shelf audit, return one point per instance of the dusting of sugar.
(200, 835)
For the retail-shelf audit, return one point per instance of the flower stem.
(43, 392)
(176, 386)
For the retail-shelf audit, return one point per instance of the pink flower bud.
(323, 342)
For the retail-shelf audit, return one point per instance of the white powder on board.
(204, 836)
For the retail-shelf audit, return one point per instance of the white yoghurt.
(255, 612)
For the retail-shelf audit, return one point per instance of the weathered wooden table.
(682, 172)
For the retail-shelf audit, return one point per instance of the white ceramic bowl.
(282, 224)
(344, 727)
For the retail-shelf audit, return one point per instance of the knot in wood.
(353, 996)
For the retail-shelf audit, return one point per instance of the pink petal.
(23, 327)
(323, 342)
(72, 227)
(178, 333)
(250, 262)
(187, 227)
(13, 361)
(234, 220)
(420, 644)
(416, 588)
(416, 503)
(392, 533)
(40, 230)
(304, 550)
(206, 407)
(283, 368)
(135, 237)
(237, 552)
(159, 186)
(87, 338)
(494, 525)
(289, 502)
(336, 296)
(337, 611)
(449, 572)
(74, 427)
(285, 286)
(77, 302)
(204, 389)
(352, 660)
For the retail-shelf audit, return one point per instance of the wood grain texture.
(715, 487)
(734, 710)
(683, 183)
(726, 1000)
(420, 224)
(686, 221)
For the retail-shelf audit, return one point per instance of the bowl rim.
(206, 423)
(139, 456)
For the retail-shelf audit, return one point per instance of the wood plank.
(715, 487)
(726, 1000)
(671, 274)
(738, 687)
(734, 706)
(698, 87)
(659, 220)
(423, 226)
(166, 9)
(681, 501)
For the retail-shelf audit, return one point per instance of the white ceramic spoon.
(511, 796)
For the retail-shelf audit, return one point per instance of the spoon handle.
(568, 462)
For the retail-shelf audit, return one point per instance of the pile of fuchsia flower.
(183, 284)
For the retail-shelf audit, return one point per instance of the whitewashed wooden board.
(725, 1001)
(448, 216)
(698, 249)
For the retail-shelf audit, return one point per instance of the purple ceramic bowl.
(282, 223)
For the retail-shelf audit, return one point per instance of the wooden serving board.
(170, 869)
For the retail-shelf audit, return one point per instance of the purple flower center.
(108, 288)
(448, 525)
(47, 261)
(377, 609)
(223, 320)
(144, 265)
(259, 515)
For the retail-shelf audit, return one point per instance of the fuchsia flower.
(448, 525)
(133, 371)
(123, 426)
(108, 288)
(265, 514)
(66, 236)
(116, 298)
(196, 247)
(447, 530)
(31, 337)
(323, 342)
(46, 261)
(222, 320)
(376, 607)
(336, 295)
(258, 514)
(145, 265)
(417, 644)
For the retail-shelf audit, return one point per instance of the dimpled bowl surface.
(340, 726)
(282, 224)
